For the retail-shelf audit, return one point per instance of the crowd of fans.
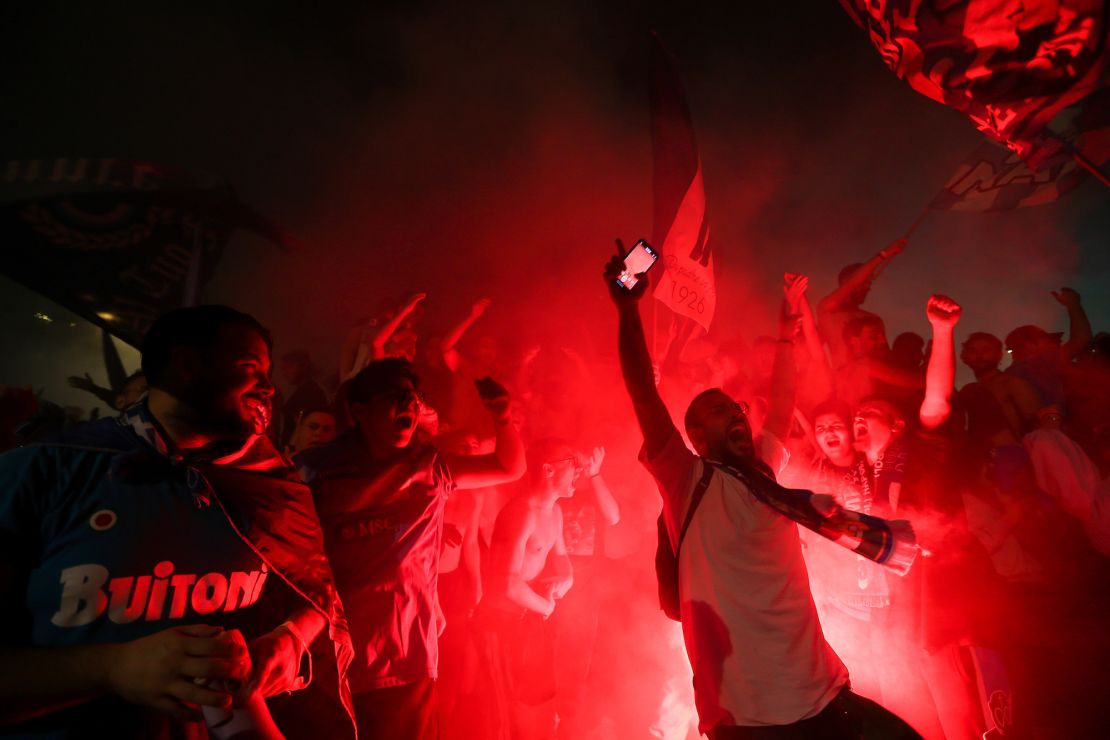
(475, 592)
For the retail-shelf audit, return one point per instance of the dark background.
(497, 148)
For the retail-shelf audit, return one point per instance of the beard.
(221, 414)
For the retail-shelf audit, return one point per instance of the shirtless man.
(529, 569)
(1017, 398)
(846, 302)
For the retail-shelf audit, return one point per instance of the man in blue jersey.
(163, 563)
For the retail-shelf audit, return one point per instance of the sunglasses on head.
(572, 460)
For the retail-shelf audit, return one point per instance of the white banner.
(688, 286)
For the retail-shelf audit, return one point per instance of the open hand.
(86, 383)
(162, 670)
(794, 288)
(593, 462)
(613, 269)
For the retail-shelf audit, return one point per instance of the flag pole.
(654, 333)
(917, 222)
(191, 295)
(1082, 161)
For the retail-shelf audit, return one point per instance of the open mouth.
(832, 442)
(404, 422)
(260, 411)
(738, 434)
(256, 406)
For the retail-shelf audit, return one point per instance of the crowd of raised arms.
(447, 534)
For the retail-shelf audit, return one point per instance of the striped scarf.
(889, 543)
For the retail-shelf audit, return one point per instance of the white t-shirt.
(749, 621)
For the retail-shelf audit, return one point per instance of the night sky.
(497, 148)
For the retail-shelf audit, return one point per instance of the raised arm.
(784, 377)
(940, 376)
(893, 375)
(639, 378)
(88, 385)
(606, 503)
(1079, 326)
(818, 371)
(784, 373)
(378, 342)
(451, 356)
(507, 461)
(866, 273)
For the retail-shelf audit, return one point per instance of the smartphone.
(638, 260)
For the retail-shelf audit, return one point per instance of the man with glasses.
(380, 491)
(762, 667)
(529, 569)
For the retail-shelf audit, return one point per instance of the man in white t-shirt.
(762, 667)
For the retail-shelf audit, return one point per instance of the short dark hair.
(542, 450)
(855, 327)
(308, 411)
(832, 406)
(893, 410)
(379, 376)
(983, 336)
(846, 273)
(688, 419)
(195, 326)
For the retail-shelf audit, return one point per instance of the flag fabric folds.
(1009, 65)
(118, 242)
(681, 229)
(993, 178)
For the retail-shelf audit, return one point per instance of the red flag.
(681, 231)
(1008, 65)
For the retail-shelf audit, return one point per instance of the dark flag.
(118, 242)
(994, 178)
(1009, 65)
(681, 230)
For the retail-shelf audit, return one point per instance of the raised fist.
(942, 311)
(480, 307)
(494, 397)
(1066, 296)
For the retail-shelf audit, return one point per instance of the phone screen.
(639, 259)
